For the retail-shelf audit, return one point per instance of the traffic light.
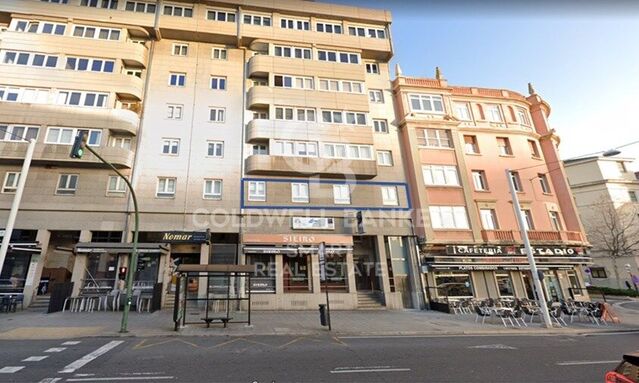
(78, 145)
(360, 223)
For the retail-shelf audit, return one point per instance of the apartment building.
(458, 142)
(252, 132)
(606, 192)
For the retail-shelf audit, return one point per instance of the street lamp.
(16, 201)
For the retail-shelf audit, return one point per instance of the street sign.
(322, 261)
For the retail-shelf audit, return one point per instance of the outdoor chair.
(481, 312)
(530, 311)
(113, 297)
(596, 313)
(505, 315)
(571, 311)
(555, 313)
(518, 316)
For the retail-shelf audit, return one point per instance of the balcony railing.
(536, 235)
(511, 236)
(498, 235)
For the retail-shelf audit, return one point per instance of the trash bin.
(322, 312)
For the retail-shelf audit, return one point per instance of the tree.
(614, 231)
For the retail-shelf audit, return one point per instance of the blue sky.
(582, 57)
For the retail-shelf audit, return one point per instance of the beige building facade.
(251, 133)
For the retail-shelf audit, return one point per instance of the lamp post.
(16, 202)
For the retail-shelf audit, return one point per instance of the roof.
(216, 269)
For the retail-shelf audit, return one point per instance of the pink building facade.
(458, 143)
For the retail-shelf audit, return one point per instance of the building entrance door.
(366, 278)
(552, 286)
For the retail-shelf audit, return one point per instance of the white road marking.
(35, 358)
(369, 370)
(71, 343)
(494, 347)
(118, 378)
(584, 362)
(612, 333)
(91, 356)
(50, 380)
(78, 375)
(55, 349)
(11, 369)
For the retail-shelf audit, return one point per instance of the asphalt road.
(316, 359)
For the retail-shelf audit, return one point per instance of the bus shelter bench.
(224, 320)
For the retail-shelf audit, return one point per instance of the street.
(559, 358)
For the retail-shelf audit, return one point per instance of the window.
(89, 32)
(328, 28)
(534, 149)
(332, 85)
(87, 64)
(219, 54)
(462, 111)
(77, 98)
(522, 115)
(18, 133)
(11, 180)
(293, 82)
(426, 103)
(257, 191)
(598, 272)
(543, 182)
(493, 113)
(302, 25)
(505, 284)
(488, 219)
(120, 142)
(372, 68)
(217, 114)
(116, 184)
(260, 115)
(215, 149)
(171, 146)
(380, 126)
(294, 114)
(348, 151)
(65, 136)
(299, 192)
(342, 57)
(180, 49)
(631, 193)
(389, 195)
(555, 220)
(260, 149)
(220, 16)
(503, 144)
(30, 59)
(454, 284)
(174, 10)
(264, 21)
(109, 4)
(367, 32)
(341, 194)
(294, 148)
(529, 224)
(440, 175)
(46, 28)
(470, 145)
(218, 83)
(438, 138)
(293, 52)
(139, 6)
(133, 72)
(55, 1)
(479, 180)
(174, 112)
(177, 79)
(340, 117)
(384, 158)
(212, 189)
(166, 187)
(514, 177)
(448, 217)
(67, 184)
(376, 96)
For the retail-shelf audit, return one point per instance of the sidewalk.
(29, 325)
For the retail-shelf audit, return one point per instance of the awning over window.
(117, 247)
(27, 247)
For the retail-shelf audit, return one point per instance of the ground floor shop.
(462, 271)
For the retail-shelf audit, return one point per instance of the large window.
(90, 64)
(77, 98)
(175, 10)
(328, 28)
(299, 192)
(109, 4)
(534, 149)
(342, 57)
(257, 191)
(296, 273)
(454, 284)
(25, 95)
(348, 151)
(437, 138)
(292, 52)
(90, 32)
(448, 217)
(522, 115)
(377, 33)
(294, 114)
(220, 16)
(294, 148)
(264, 21)
(441, 175)
(18, 133)
(30, 59)
(284, 81)
(139, 6)
(426, 103)
(67, 184)
(40, 27)
(505, 284)
(488, 219)
(302, 25)
(263, 281)
(342, 117)
(528, 219)
(65, 136)
(347, 86)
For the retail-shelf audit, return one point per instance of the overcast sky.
(582, 57)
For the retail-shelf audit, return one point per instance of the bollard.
(322, 311)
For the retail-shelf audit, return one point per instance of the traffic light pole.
(133, 262)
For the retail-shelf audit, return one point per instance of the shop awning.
(503, 263)
(294, 249)
(118, 247)
(216, 269)
(28, 247)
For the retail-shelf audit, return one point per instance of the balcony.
(50, 154)
(262, 65)
(511, 236)
(505, 236)
(308, 166)
(119, 83)
(263, 96)
(259, 130)
(116, 120)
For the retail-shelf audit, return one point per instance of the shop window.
(146, 274)
(505, 285)
(528, 285)
(454, 284)
(101, 270)
(106, 236)
(296, 273)
(14, 273)
(598, 272)
(336, 273)
(575, 286)
(263, 281)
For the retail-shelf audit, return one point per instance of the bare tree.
(614, 231)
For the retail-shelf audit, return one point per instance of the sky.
(581, 56)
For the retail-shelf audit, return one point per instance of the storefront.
(19, 267)
(466, 271)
